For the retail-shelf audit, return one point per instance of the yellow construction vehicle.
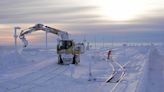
(68, 51)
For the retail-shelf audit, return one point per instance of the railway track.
(115, 78)
(117, 72)
(117, 75)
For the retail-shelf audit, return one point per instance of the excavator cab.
(67, 53)
(64, 44)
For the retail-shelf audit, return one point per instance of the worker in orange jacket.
(109, 54)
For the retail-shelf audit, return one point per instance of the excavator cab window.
(65, 44)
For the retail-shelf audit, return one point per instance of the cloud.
(36, 11)
(78, 17)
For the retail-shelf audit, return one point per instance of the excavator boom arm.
(63, 35)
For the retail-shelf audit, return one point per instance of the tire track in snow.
(24, 70)
(42, 78)
(46, 79)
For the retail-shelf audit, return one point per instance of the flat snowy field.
(136, 69)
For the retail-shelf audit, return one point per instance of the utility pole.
(15, 36)
(95, 42)
(84, 38)
(46, 39)
(112, 44)
(103, 41)
(90, 72)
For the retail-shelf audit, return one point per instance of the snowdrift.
(152, 75)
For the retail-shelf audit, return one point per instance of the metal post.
(112, 44)
(15, 36)
(46, 39)
(84, 38)
(90, 73)
(103, 42)
(95, 42)
(125, 50)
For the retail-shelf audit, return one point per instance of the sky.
(110, 20)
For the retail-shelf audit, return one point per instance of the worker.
(109, 54)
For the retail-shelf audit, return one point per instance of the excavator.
(68, 51)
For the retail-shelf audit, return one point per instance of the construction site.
(81, 46)
(70, 66)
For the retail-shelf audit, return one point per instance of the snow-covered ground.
(139, 68)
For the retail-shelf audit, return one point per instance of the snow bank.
(152, 73)
(143, 80)
(155, 72)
